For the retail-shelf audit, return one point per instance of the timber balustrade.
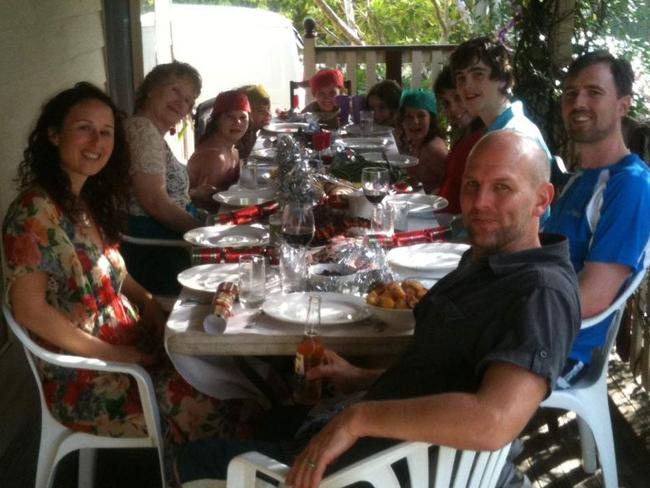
(399, 61)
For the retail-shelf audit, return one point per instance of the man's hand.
(341, 374)
(335, 438)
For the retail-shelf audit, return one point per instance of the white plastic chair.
(588, 396)
(57, 440)
(453, 468)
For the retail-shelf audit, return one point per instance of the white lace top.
(151, 155)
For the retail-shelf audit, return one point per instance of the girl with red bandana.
(216, 160)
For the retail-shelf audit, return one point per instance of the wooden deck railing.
(414, 61)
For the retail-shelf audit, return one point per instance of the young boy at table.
(325, 86)
(465, 132)
(490, 338)
(260, 116)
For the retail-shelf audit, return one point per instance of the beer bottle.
(309, 355)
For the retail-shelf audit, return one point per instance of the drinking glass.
(375, 183)
(297, 231)
(401, 211)
(275, 229)
(248, 174)
(252, 281)
(297, 224)
(366, 122)
(382, 221)
(293, 269)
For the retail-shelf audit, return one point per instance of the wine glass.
(297, 224)
(375, 183)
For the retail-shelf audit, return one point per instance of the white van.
(234, 46)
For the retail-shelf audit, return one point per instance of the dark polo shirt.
(521, 308)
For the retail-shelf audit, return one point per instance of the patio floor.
(551, 457)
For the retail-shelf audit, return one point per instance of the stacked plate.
(421, 205)
(377, 130)
(335, 309)
(228, 236)
(278, 128)
(432, 260)
(236, 196)
(365, 144)
(396, 160)
(207, 277)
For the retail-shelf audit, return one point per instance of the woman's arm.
(31, 310)
(151, 313)
(151, 192)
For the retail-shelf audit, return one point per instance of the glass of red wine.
(375, 183)
(297, 224)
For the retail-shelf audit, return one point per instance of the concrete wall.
(45, 46)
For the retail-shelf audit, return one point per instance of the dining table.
(211, 360)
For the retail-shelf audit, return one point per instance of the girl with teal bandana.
(420, 124)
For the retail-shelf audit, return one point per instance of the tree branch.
(350, 34)
(441, 19)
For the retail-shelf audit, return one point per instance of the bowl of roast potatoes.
(393, 302)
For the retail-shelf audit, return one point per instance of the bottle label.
(299, 364)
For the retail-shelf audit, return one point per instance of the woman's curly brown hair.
(104, 194)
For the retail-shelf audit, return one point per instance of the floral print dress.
(84, 284)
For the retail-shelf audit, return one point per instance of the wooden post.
(309, 48)
(563, 32)
(309, 53)
(394, 65)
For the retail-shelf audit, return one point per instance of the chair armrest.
(629, 289)
(143, 241)
(243, 468)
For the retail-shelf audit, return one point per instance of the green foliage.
(621, 26)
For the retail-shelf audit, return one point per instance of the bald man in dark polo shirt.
(490, 338)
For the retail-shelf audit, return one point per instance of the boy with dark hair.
(465, 132)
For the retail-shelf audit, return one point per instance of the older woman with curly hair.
(160, 206)
(67, 283)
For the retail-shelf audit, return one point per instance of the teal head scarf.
(418, 98)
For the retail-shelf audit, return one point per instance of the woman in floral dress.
(67, 283)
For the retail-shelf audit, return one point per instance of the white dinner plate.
(336, 308)
(421, 205)
(377, 130)
(433, 260)
(285, 127)
(264, 154)
(365, 144)
(207, 277)
(243, 197)
(397, 160)
(228, 235)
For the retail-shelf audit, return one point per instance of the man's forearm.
(487, 420)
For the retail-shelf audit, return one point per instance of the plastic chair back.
(453, 468)
(588, 396)
(58, 440)
(201, 117)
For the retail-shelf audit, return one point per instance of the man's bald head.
(515, 145)
(505, 191)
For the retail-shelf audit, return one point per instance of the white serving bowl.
(402, 318)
